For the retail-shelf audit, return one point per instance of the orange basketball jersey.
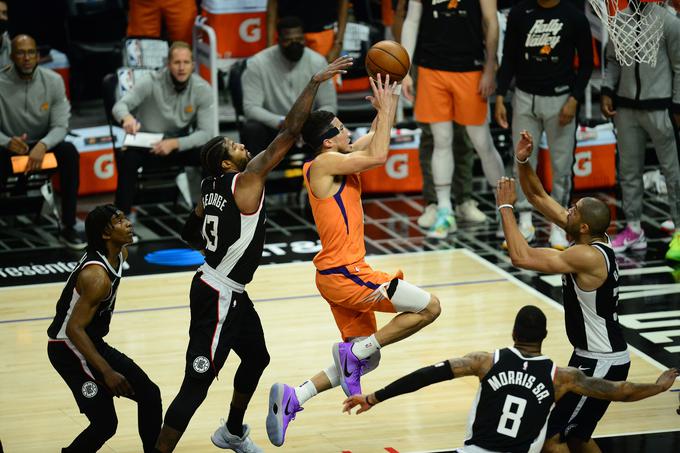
(340, 222)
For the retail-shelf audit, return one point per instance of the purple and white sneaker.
(629, 239)
(283, 405)
(349, 367)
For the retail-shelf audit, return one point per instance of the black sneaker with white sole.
(72, 239)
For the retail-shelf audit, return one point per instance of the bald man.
(34, 114)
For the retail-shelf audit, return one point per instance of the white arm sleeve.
(409, 32)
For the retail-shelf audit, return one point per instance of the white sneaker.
(468, 212)
(668, 226)
(428, 217)
(222, 438)
(558, 238)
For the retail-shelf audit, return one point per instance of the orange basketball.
(388, 57)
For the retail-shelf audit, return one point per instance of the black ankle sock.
(235, 420)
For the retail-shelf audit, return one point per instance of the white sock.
(525, 218)
(366, 347)
(442, 162)
(635, 226)
(333, 375)
(305, 391)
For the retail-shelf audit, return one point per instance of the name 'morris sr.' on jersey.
(513, 402)
(99, 326)
(591, 317)
(234, 241)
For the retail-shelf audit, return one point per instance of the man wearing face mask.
(5, 43)
(34, 114)
(272, 81)
(173, 101)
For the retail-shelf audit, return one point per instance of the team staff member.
(324, 22)
(173, 101)
(34, 114)
(541, 39)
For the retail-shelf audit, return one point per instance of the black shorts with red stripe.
(222, 320)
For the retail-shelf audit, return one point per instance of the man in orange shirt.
(353, 290)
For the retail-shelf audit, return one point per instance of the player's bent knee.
(433, 309)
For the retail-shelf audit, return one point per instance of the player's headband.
(330, 133)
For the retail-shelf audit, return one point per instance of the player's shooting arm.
(573, 380)
(473, 364)
(260, 166)
(192, 230)
(376, 147)
(531, 184)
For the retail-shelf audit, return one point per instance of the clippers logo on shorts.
(89, 389)
(201, 364)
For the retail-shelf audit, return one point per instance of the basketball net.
(635, 28)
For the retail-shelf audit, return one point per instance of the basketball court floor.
(480, 293)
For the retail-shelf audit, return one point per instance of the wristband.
(521, 161)
(506, 205)
(368, 402)
(397, 89)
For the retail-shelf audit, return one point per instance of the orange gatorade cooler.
(239, 26)
(594, 160)
(401, 172)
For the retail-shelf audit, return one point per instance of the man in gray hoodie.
(272, 81)
(173, 101)
(4, 36)
(644, 101)
(34, 114)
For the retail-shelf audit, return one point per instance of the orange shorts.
(353, 294)
(449, 96)
(321, 41)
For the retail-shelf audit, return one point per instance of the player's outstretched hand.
(339, 66)
(505, 191)
(356, 400)
(667, 378)
(383, 93)
(525, 146)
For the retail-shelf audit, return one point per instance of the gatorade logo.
(103, 166)
(250, 30)
(396, 166)
(583, 166)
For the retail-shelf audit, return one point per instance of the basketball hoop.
(634, 26)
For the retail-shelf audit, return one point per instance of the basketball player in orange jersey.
(353, 290)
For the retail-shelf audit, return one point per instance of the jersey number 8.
(515, 417)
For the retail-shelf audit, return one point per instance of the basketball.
(388, 57)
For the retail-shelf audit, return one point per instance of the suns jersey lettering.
(339, 221)
(591, 317)
(513, 402)
(234, 241)
(450, 36)
(99, 326)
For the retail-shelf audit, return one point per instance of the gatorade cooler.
(240, 26)
(594, 161)
(401, 173)
(97, 163)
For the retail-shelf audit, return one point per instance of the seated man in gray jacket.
(273, 80)
(173, 101)
(34, 114)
